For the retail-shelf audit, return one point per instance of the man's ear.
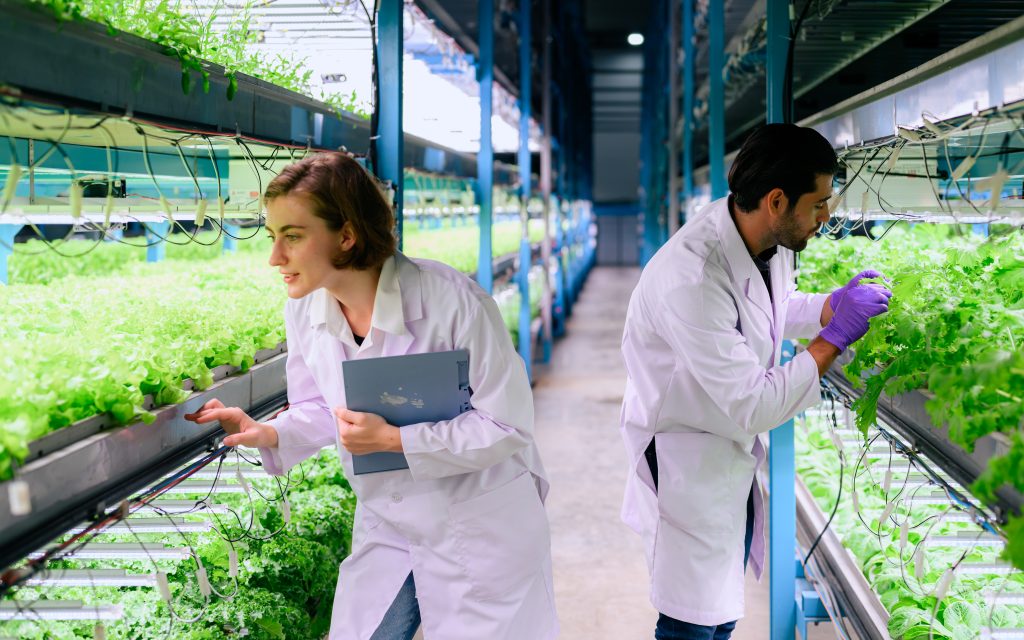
(776, 202)
(348, 237)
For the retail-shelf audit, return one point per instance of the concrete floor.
(601, 587)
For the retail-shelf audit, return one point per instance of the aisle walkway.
(600, 577)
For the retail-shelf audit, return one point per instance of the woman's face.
(303, 247)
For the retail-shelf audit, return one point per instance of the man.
(701, 345)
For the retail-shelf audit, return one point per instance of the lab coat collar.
(391, 310)
(741, 265)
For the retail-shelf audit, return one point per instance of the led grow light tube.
(976, 568)
(204, 487)
(91, 578)
(152, 525)
(970, 540)
(173, 507)
(124, 551)
(59, 610)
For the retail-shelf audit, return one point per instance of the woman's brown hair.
(343, 192)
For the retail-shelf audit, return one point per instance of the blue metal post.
(547, 299)
(389, 60)
(485, 159)
(781, 453)
(231, 232)
(155, 232)
(688, 93)
(716, 99)
(525, 79)
(7, 233)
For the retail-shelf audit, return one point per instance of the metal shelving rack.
(76, 473)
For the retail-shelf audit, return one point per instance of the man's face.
(797, 223)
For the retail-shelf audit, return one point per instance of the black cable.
(839, 496)
(787, 85)
(831, 516)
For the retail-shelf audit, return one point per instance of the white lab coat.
(467, 518)
(701, 347)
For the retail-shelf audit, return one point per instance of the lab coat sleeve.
(803, 316)
(698, 321)
(501, 420)
(307, 426)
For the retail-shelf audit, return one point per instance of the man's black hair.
(782, 156)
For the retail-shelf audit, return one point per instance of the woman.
(460, 539)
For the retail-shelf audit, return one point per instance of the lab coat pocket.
(502, 538)
(695, 472)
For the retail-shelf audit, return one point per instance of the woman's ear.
(348, 237)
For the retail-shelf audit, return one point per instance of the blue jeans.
(671, 629)
(403, 617)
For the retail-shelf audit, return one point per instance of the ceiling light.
(635, 39)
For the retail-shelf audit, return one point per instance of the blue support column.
(7, 233)
(560, 303)
(781, 453)
(525, 79)
(485, 159)
(688, 93)
(155, 231)
(231, 232)
(716, 99)
(389, 60)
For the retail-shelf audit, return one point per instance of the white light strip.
(124, 551)
(994, 597)
(975, 568)
(204, 487)
(228, 470)
(972, 540)
(1002, 634)
(174, 507)
(152, 525)
(91, 578)
(918, 500)
(59, 610)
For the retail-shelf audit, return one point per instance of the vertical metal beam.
(525, 79)
(781, 453)
(485, 158)
(7, 234)
(716, 98)
(155, 234)
(231, 232)
(545, 181)
(389, 78)
(673, 116)
(689, 68)
(777, 50)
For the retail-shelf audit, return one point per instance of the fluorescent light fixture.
(59, 610)
(995, 597)
(635, 39)
(125, 551)
(174, 507)
(204, 487)
(91, 578)
(153, 525)
(979, 568)
(972, 539)
(1003, 634)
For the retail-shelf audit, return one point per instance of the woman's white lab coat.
(701, 346)
(467, 518)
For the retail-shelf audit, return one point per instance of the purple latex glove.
(850, 321)
(839, 293)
